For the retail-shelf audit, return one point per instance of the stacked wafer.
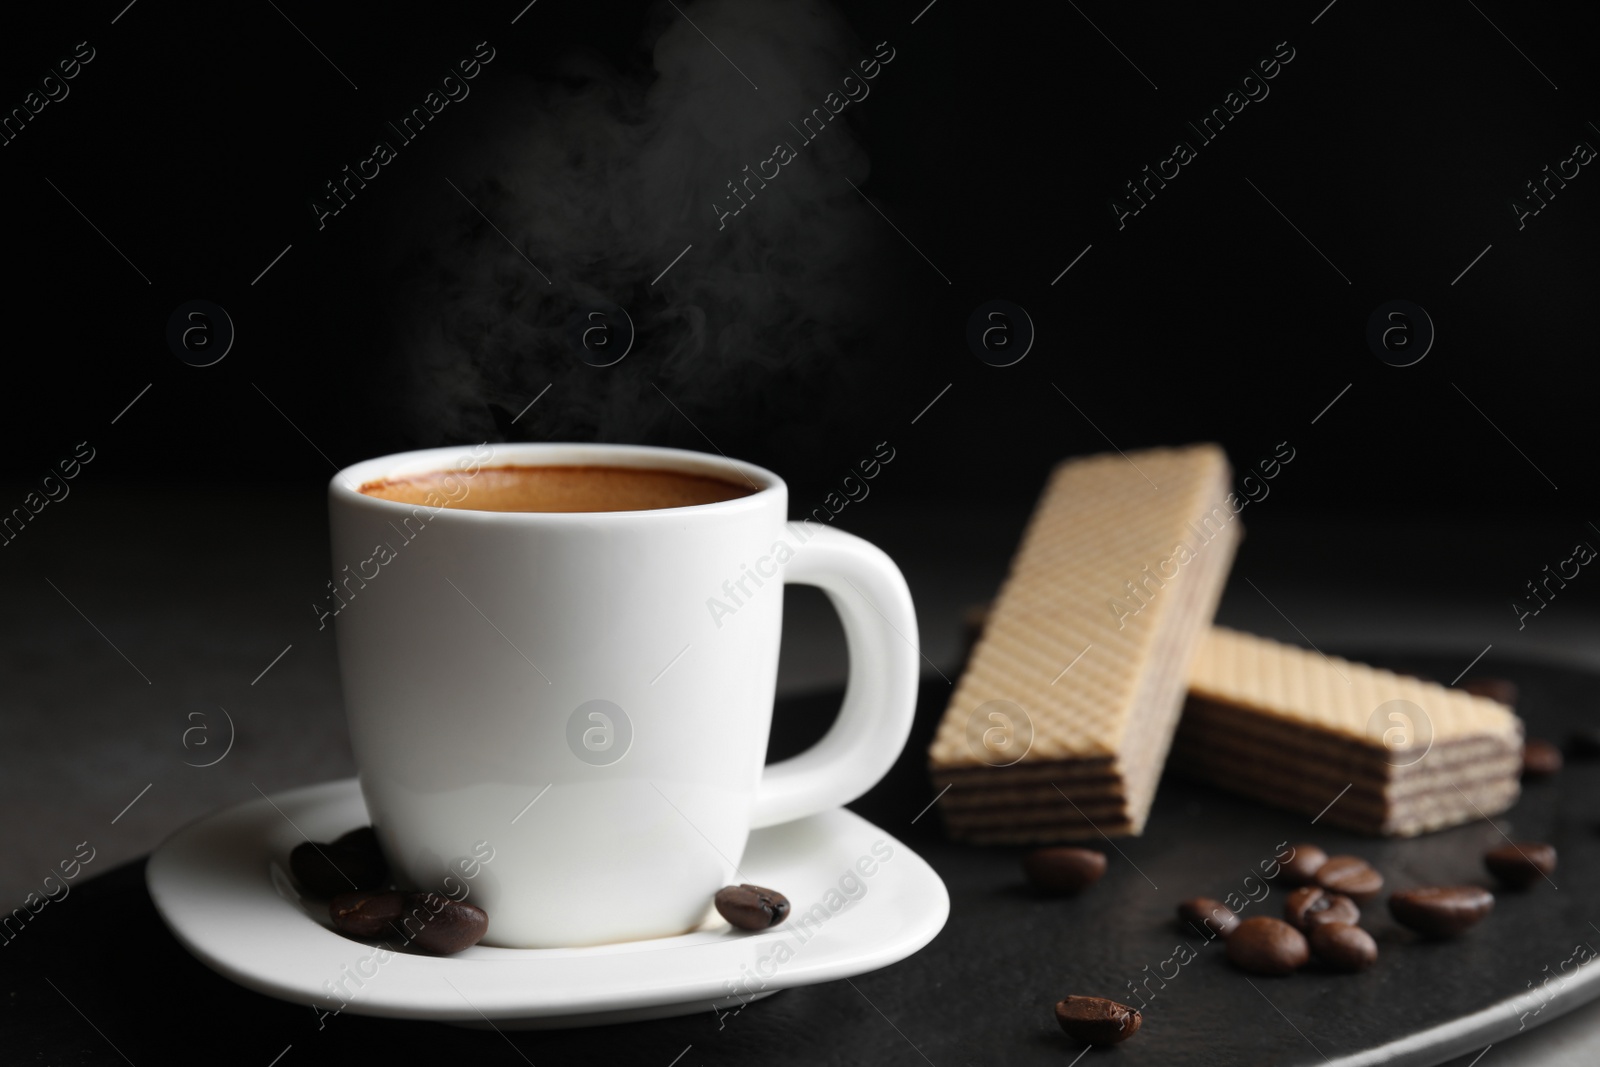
(1367, 749)
(1061, 723)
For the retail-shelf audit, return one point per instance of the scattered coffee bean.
(1352, 876)
(324, 870)
(1584, 744)
(363, 839)
(1097, 1020)
(1265, 945)
(368, 913)
(1312, 905)
(1503, 690)
(316, 871)
(1063, 869)
(1344, 946)
(1540, 759)
(1206, 913)
(1303, 865)
(427, 921)
(1441, 911)
(1522, 864)
(439, 925)
(750, 907)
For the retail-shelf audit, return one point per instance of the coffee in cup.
(561, 488)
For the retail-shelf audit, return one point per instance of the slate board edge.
(1439, 1044)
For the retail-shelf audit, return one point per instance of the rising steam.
(601, 176)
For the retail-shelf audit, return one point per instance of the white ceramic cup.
(584, 698)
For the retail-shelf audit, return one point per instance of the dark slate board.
(982, 992)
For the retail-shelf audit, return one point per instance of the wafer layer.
(1297, 729)
(1075, 685)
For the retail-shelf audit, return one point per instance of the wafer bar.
(1061, 722)
(1297, 729)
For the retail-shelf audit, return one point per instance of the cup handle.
(880, 698)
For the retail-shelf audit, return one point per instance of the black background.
(1395, 141)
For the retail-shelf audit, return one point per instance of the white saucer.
(221, 885)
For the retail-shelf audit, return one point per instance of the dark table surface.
(97, 978)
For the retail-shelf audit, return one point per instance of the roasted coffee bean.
(1265, 945)
(1503, 690)
(750, 907)
(437, 924)
(1343, 946)
(1303, 865)
(1441, 911)
(362, 839)
(324, 870)
(1522, 864)
(1097, 1020)
(362, 858)
(1206, 913)
(1311, 905)
(316, 871)
(1063, 869)
(368, 913)
(1352, 876)
(1540, 759)
(366, 867)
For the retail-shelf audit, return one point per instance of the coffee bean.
(439, 925)
(1312, 905)
(362, 858)
(367, 867)
(316, 871)
(324, 870)
(362, 839)
(750, 907)
(1265, 945)
(1540, 759)
(1503, 690)
(1441, 911)
(1344, 946)
(1522, 864)
(1206, 913)
(1352, 876)
(1064, 870)
(1303, 865)
(1097, 1020)
(368, 913)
